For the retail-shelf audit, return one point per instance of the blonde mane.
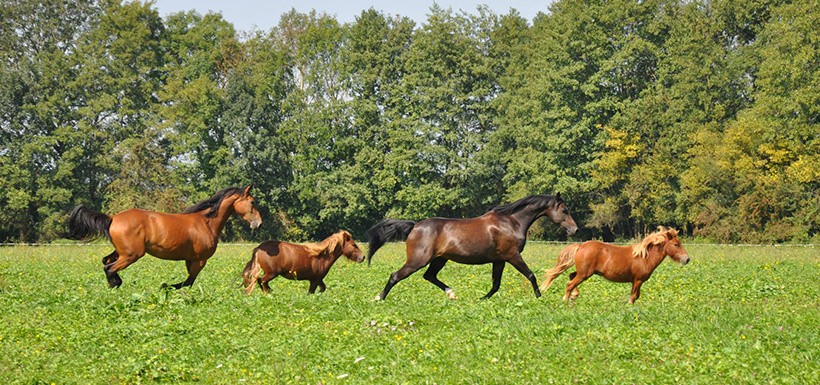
(329, 244)
(657, 238)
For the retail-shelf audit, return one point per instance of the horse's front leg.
(194, 267)
(636, 291)
(522, 268)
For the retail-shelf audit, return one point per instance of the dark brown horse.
(309, 262)
(634, 263)
(497, 237)
(191, 236)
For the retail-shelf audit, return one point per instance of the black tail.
(85, 224)
(385, 231)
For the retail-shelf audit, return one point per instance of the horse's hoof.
(451, 294)
(378, 298)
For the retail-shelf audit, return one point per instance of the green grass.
(733, 315)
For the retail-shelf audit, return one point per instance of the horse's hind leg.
(419, 255)
(575, 293)
(397, 276)
(114, 279)
(572, 286)
(522, 268)
(121, 262)
(498, 270)
(432, 276)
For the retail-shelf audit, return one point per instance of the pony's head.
(245, 207)
(666, 239)
(340, 243)
(349, 247)
(558, 213)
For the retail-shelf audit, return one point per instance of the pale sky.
(247, 14)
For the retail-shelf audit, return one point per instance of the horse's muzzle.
(684, 260)
(572, 230)
(255, 224)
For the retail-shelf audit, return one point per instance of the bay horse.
(497, 237)
(309, 262)
(633, 263)
(191, 236)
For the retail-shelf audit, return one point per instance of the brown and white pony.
(633, 263)
(309, 262)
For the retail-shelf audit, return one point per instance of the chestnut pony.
(191, 236)
(497, 237)
(309, 262)
(634, 263)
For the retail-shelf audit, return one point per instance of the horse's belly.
(470, 259)
(174, 253)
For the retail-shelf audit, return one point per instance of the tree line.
(702, 115)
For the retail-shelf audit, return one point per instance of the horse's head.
(350, 249)
(558, 213)
(245, 207)
(673, 247)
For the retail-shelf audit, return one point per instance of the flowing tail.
(565, 260)
(86, 224)
(386, 231)
(251, 273)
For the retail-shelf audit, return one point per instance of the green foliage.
(697, 114)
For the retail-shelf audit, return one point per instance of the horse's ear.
(248, 190)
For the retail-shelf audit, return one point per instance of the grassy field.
(733, 315)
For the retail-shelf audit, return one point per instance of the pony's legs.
(314, 284)
(114, 279)
(575, 293)
(498, 269)
(194, 267)
(431, 275)
(264, 282)
(576, 279)
(522, 268)
(636, 291)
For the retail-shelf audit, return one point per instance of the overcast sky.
(247, 14)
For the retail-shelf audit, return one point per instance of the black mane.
(540, 202)
(213, 202)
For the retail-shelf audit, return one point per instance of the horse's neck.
(655, 255)
(334, 255)
(526, 218)
(224, 212)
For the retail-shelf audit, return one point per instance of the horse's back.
(463, 240)
(280, 253)
(163, 235)
(612, 261)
